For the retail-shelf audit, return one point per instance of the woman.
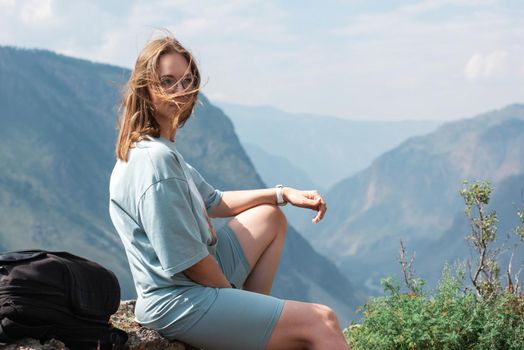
(206, 288)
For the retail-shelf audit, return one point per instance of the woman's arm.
(235, 202)
(207, 272)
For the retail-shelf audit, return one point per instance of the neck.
(165, 133)
(165, 126)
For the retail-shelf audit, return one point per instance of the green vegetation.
(484, 312)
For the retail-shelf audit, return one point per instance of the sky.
(357, 59)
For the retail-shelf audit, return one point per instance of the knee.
(324, 322)
(327, 318)
(277, 217)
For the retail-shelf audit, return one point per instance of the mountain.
(58, 122)
(59, 119)
(507, 198)
(411, 193)
(327, 148)
(276, 169)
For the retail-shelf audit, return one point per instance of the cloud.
(486, 66)
(7, 6)
(416, 58)
(36, 10)
(218, 96)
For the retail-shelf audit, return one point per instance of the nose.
(179, 87)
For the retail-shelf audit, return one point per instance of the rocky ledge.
(140, 338)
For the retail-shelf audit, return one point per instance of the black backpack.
(58, 295)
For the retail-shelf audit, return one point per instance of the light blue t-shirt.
(162, 225)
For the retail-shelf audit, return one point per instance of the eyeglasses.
(169, 83)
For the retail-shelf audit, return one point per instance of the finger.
(319, 215)
(311, 194)
(311, 203)
(324, 205)
(322, 211)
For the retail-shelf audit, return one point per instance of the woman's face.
(175, 77)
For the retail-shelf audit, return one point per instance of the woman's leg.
(261, 233)
(307, 326)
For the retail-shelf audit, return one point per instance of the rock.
(30, 344)
(140, 338)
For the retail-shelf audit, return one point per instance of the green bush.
(450, 319)
(477, 315)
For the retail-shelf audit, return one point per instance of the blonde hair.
(137, 118)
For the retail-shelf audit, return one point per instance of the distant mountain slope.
(411, 192)
(58, 131)
(328, 149)
(276, 169)
(59, 122)
(507, 198)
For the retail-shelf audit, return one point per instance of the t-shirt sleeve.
(210, 195)
(165, 213)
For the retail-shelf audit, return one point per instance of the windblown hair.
(137, 119)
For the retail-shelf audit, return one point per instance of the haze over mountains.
(59, 118)
(326, 148)
(408, 192)
(308, 152)
(411, 193)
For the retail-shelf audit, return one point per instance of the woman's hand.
(306, 199)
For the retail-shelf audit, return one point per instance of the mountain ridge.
(327, 148)
(411, 191)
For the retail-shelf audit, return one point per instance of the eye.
(166, 83)
(187, 82)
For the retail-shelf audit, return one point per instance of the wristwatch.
(280, 198)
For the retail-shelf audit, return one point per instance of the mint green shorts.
(238, 319)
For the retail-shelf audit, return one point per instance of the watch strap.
(280, 195)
